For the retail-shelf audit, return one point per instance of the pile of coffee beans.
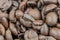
(29, 19)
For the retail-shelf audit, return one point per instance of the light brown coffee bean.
(31, 3)
(50, 7)
(55, 32)
(22, 5)
(42, 37)
(8, 35)
(58, 14)
(16, 39)
(2, 30)
(25, 23)
(58, 25)
(44, 29)
(51, 18)
(23, 29)
(1, 37)
(3, 14)
(35, 13)
(12, 16)
(30, 35)
(28, 17)
(50, 1)
(5, 4)
(37, 24)
(59, 1)
(4, 21)
(19, 14)
(13, 29)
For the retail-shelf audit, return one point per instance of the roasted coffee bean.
(30, 35)
(23, 29)
(51, 18)
(33, 0)
(8, 35)
(49, 1)
(58, 14)
(35, 13)
(18, 26)
(1, 37)
(37, 24)
(42, 13)
(47, 9)
(50, 7)
(3, 14)
(2, 30)
(19, 14)
(44, 29)
(28, 17)
(12, 16)
(25, 23)
(22, 5)
(39, 4)
(59, 1)
(42, 37)
(31, 3)
(5, 4)
(4, 21)
(58, 25)
(15, 3)
(16, 39)
(55, 32)
(13, 29)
